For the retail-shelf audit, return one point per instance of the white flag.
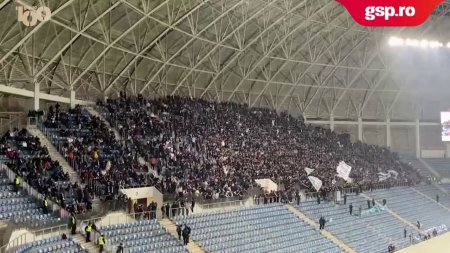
(141, 161)
(343, 170)
(393, 173)
(317, 183)
(308, 171)
(383, 176)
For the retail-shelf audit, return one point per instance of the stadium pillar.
(72, 99)
(417, 138)
(360, 129)
(331, 122)
(37, 95)
(388, 132)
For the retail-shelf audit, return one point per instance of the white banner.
(308, 171)
(393, 173)
(317, 183)
(343, 170)
(384, 176)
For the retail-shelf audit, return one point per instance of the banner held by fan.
(308, 171)
(316, 183)
(343, 170)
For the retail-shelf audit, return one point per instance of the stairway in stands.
(324, 232)
(89, 246)
(94, 112)
(193, 247)
(54, 154)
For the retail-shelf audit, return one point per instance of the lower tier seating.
(141, 236)
(52, 245)
(256, 229)
(414, 207)
(371, 232)
(20, 208)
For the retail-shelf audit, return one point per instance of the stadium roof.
(298, 55)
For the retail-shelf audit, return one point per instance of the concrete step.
(172, 229)
(324, 232)
(94, 112)
(89, 246)
(4, 232)
(413, 226)
(55, 155)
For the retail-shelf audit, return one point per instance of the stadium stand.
(441, 165)
(20, 208)
(21, 153)
(433, 192)
(141, 236)
(368, 233)
(417, 164)
(102, 163)
(263, 228)
(414, 207)
(202, 144)
(25, 156)
(52, 245)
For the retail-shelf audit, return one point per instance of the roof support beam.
(35, 29)
(186, 45)
(40, 95)
(272, 49)
(74, 38)
(237, 54)
(311, 64)
(156, 40)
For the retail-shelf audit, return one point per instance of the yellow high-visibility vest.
(89, 228)
(17, 180)
(101, 240)
(45, 203)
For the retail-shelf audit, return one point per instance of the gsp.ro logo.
(30, 16)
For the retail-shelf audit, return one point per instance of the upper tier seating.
(441, 165)
(23, 154)
(257, 229)
(415, 163)
(51, 245)
(141, 236)
(370, 233)
(217, 150)
(414, 207)
(103, 163)
(432, 191)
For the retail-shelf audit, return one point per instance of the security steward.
(73, 224)
(101, 242)
(16, 183)
(45, 205)
(88, 230)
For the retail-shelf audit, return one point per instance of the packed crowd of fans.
(31, 161)
(217, 150)
(104, 164)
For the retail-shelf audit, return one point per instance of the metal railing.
(29, 237)
(377, 186)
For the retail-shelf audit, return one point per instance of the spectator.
(45, 205)
(101, 242)
(186, 233)
(120, 248)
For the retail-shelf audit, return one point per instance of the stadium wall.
(438, 244)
